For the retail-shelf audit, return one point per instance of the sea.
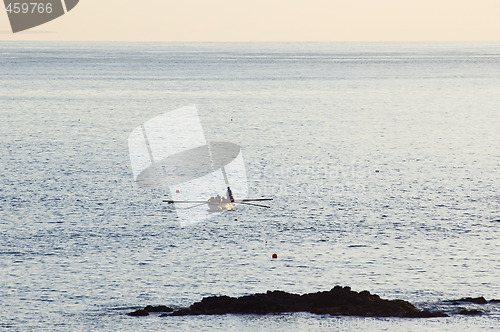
(382, 159)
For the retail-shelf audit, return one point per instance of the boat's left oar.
(265, 206)
(172, 202)
(191, 206)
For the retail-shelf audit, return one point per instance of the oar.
(253, 200)
(256, 205)
(192, 206)
(170, 201)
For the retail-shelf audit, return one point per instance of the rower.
(229, 195)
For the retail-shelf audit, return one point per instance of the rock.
(470, 312)
(158, 308)
(138, 313)
(477, 300)
(150, 308)
(339, 301)
(494, 301)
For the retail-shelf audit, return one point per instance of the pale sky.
(270, 20)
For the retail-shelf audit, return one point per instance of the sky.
(270, 20)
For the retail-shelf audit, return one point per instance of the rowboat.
(226, 204)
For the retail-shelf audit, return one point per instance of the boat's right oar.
(265, 206)
(252, 200)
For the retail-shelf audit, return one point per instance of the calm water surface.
(383, 160)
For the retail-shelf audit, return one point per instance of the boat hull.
(220, 207)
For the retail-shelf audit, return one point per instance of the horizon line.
(253, 41)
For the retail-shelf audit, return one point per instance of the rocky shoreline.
(339, 301)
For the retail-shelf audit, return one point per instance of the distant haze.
(271, 20)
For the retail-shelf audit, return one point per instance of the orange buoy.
(275, 256)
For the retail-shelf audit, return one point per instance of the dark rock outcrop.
(150, 308)
(470, 312)
(341, 301)
(477, 300)
(138, 313)
(158, 308)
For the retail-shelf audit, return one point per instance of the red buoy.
(177, 191)
(275, 256)
(235, 219)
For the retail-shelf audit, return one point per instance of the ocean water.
(383, 160)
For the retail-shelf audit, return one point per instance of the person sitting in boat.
(229, 195)
(218, 199)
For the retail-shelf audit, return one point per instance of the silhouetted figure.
(229, 195)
